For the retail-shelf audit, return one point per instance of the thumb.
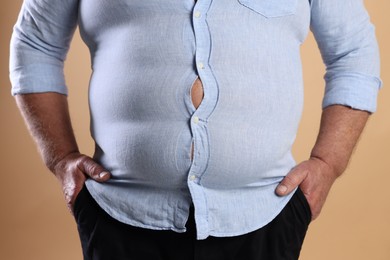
(291, 181)
(94, 170)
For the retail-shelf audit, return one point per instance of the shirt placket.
(199, 118)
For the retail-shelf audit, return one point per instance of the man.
(194, 109)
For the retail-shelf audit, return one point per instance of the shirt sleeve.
(39, 44)
(349, 49)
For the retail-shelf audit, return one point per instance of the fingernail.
(102, 175)
(282, 189)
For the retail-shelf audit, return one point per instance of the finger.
(93, 169)
(291, 181)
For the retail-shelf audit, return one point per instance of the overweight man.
(194, 109)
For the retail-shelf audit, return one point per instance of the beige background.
(35, 224)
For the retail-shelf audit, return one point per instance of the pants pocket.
(87, 219)
(79, 201)
(305, 204)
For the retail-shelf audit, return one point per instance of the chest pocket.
(271, 8)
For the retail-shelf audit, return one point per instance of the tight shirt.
(145, 57)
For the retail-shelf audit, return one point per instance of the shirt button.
(201, 65)
(197, 14)
(192, 177)
(196, 120)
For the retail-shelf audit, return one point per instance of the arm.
(346, 39)
(339, 132)
(48, 121)
(39, 45)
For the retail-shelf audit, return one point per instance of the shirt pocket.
(271, 8)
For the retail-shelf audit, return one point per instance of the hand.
(315, 178)
(73, 170)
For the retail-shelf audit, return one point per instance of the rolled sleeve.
(349, 49)
(39, 44)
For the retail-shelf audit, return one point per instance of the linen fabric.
(103, 237)
(145, 55)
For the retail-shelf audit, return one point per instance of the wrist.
(328, 168)
(59, 162)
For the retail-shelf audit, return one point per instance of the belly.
(196, 97)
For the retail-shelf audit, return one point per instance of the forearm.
(339, 132)
(47, 118)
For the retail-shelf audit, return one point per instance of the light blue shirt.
(145, 56)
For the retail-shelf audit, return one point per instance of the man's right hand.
(47, 118)
(72, 172)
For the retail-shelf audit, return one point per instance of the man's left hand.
(315, 178)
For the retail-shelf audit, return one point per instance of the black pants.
(104, 238)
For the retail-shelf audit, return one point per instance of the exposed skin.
(339, 132)
(196, 96)
(47, 118)
(48, 121)
(197, 92)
